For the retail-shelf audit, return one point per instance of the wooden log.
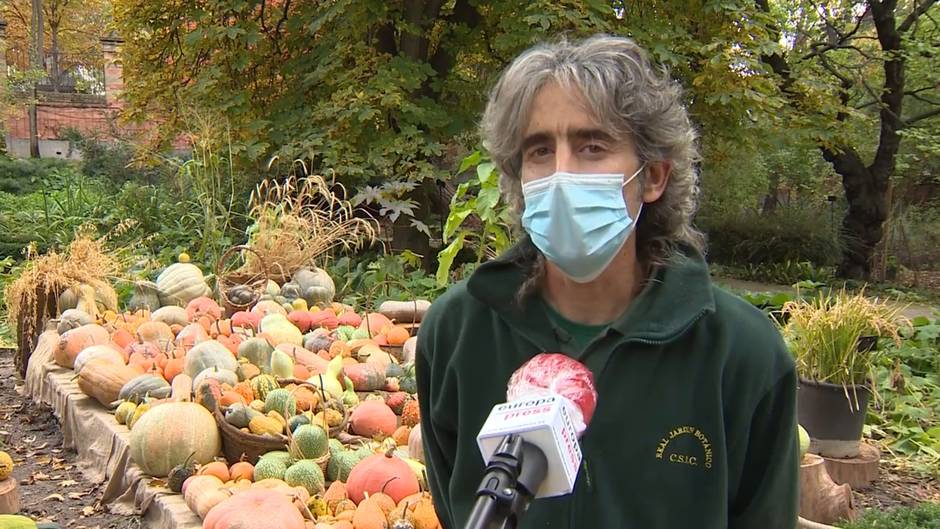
(857, 472)
(9, 497)
(821, 499)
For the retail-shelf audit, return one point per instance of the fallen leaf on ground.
(39, 476)
(57, 497)
(77, 495)
(88, 511)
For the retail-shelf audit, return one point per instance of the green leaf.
(454, 220)
(445, 259)
(485, 172)
(469, 161)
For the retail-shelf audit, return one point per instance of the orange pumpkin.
(301, 372)
(230, 397)
(217, 469)
(73, 341)
(397, 335)
(190, 335)
(278, 511)
(221, 327)
(243, 470)
(244, 389)
(382, 473)
(155, 332)
(203, 306)
(122, 338)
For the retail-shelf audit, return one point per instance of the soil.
(51, 486)
(897, 487)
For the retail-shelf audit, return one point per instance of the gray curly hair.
(632, 101)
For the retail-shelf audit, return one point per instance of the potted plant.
(834, 339)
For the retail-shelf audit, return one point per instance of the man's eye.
(538, 152)
(594, 148)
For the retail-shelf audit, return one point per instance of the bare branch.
(915, 14)
(920, 117)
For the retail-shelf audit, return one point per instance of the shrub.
(21, 176)
(112, 160)
(786, 234)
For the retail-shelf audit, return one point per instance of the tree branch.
(920, 117)
(915, 14)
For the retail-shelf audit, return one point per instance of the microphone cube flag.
(545, 422)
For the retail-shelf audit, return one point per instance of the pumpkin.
(304, 357)
(261, 385)
(181, 283)
(209, 353)
(94, 297)
(242, 470)
(425, 517)
(264, 425)
(208, 393)
(371, 418)
(102, 380)
(215, 468)
(242, 511)
(246, 320)
(144, 386)
(181, 388)
(121, 338)
(282, 365)
(411, 413)
(316, 286)
(175, 365)
(280, 330)
(365, 377)
(74, 341)
(191, 335)
(167, 434)
(6, 465)
(155, 332)
(107, 352)
(203, 306)
(170, 315)
(224, 376)
(397, 335)
(415, 447)
(305, 473)
(401, 435)
(247, 371)
(369, 515)
(301, 319)
(124, 412)
(72, 319)
(221, 327)
(202, 493)
(146, 297)
(349, 318)
(258, 352)
(266, 307)
(382, 473)
(230, 342)
(374, 323)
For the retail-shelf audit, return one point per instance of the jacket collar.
(674, 298)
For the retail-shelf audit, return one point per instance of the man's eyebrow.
(537, 138)
(589, 134)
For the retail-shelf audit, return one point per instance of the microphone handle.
(513, 474)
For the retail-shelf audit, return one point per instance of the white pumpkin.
(281, 330)
(181, 283)
(105, 351)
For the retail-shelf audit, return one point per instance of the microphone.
(530, 442)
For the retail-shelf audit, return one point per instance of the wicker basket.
(241, 446)
(257, 282)
(338, 405)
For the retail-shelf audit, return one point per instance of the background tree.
(860, 76)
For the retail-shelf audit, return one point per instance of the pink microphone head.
(560, 374)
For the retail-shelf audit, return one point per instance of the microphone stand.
(513, 474)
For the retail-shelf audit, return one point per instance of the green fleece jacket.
(695, 425)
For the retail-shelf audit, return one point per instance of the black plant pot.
(833, 421)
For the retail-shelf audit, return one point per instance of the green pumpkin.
(146, 297)
(239, 415)
(309, 441)
(261, 385)
(307, 474)
(297, 421)
(280, 400)
(145, 385)
(342, 462)
(282, 365)
(408, 384)
(279, 455)
(270, 467)
(316, 286)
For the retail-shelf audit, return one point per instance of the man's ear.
(657, 178)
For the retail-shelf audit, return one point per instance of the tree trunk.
(36, 62)
(862, 227)
(54, 42)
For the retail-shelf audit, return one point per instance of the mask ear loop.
(627, 181)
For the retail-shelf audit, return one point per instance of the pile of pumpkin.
(312, 373)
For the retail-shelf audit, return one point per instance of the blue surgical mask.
(579, 221)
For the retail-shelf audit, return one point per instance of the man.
(695, 422)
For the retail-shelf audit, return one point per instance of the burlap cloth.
(102, 445)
